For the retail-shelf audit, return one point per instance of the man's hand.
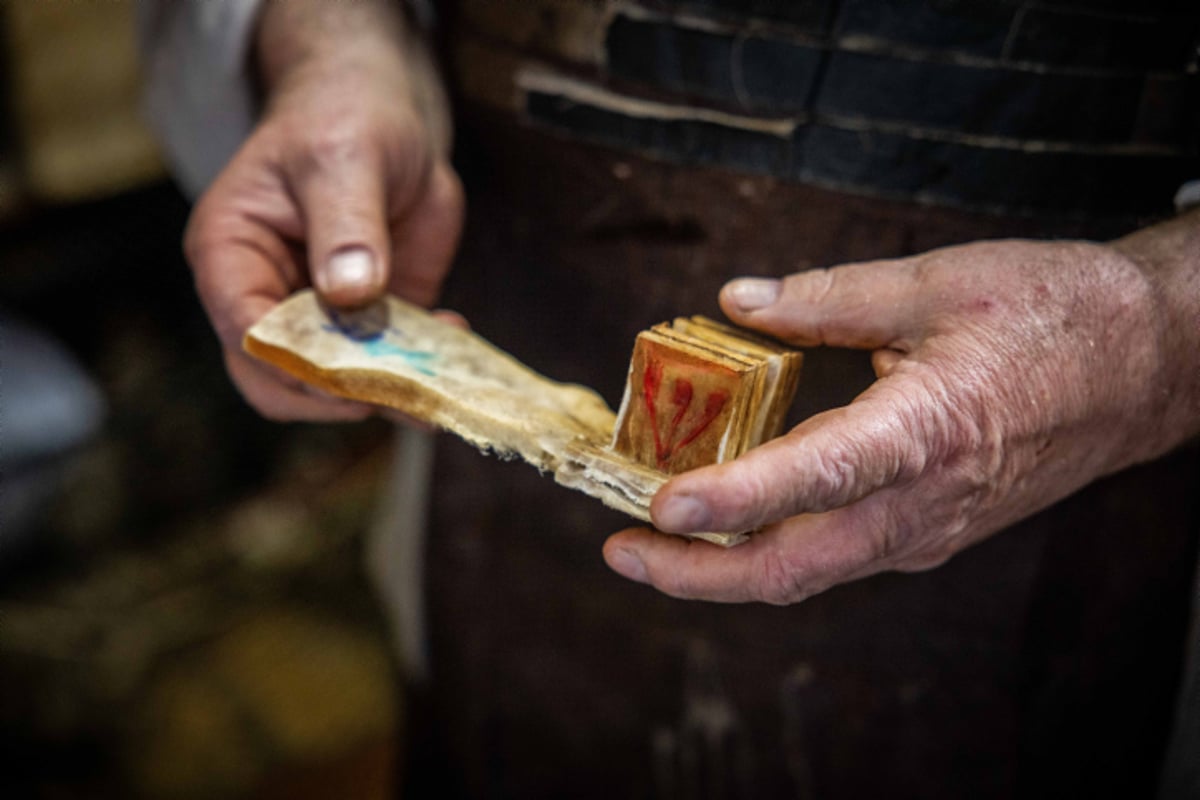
(1010, 374)
(344, 184)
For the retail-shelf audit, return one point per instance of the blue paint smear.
(358, 334)
(417, 359)
(375, 345)
(361, 326)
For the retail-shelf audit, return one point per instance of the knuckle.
(920, 537)
(891, 539)
(812, 286)
(909, 418)
(208, 287)
(198, 234)
(834, 476)
(885, 544)
(335, 146)
(448, 192)
(804, 293)
(780, 582)
(199, 247)
(745, 498)
(331, 150)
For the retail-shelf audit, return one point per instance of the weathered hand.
(344, 184)
(1010, 374)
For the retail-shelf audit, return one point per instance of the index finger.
(868, 305)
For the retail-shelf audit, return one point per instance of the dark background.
(187, 614)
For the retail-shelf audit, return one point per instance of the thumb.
(343, 201)
(868, 305)
(828, 461)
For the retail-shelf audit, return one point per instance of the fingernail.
(752, 294)
(352, 268)
(683, 515)
(626, 564)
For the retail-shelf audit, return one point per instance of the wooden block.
(702, 393)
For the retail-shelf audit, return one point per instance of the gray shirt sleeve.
(199, 95)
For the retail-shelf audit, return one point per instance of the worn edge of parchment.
(485, 396)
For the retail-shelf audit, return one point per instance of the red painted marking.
(681, 400)
(683, 393)
(712, 408)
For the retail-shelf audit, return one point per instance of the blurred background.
(183, 607)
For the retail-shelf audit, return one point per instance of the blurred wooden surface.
(74, 99)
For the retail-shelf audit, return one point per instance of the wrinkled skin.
(1010, 374)
(348, 158)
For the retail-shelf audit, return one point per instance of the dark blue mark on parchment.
(362, 325)
(375, 345)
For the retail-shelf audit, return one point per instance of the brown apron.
(1042, 662)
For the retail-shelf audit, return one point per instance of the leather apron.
(622, 162)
